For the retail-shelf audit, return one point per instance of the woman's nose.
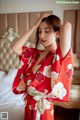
(42, 35)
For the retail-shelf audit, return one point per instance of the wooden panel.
(3, 24)
(32, 18)
(78, 34)
(48, 12)
(20, 22)
(23, 22)
(70, 15)
(12, 21)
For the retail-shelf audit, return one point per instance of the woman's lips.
(43, 40)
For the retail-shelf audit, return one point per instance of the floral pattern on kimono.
(51, 80)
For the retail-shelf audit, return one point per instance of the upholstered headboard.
(11, 27)
(8, 59)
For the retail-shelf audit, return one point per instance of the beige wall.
(15, 6)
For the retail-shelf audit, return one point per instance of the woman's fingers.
(45, 15)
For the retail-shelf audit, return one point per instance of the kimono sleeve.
(19, 83)
(61, 76)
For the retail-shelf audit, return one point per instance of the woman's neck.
(51, 47)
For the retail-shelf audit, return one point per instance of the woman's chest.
(40, 64)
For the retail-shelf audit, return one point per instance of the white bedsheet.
(9, 102)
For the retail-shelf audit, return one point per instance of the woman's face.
(46, 34)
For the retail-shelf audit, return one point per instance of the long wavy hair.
(54, 22)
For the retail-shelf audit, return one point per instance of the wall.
(13, 6)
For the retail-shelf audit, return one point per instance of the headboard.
(11, 27)
(8, 59)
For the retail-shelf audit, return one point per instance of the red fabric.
(31, 114)
(52, 64)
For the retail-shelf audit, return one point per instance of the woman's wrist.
(33, 27)
(39, 19)
(37, 23)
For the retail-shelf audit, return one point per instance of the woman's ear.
(57, 34)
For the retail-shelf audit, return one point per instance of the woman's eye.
(46, 31)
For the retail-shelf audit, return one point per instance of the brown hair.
(54, 22)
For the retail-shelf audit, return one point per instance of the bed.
(12, 27)
(9, 103)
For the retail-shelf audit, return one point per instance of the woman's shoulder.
(27, 52)
(30, 50)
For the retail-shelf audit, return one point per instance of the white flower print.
(37, 97)
(21, 86)
(57, 57)
(54, 74)
(33, 92)
(42, 105)
(20, 89)
(59, 91)
(21, 64)
(45, 91)
(46, 103)
(69, 66)
(36, 68)
(29, 62)
(69, 71)
(29, 82)
(47, 71)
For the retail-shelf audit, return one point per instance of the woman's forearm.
(22, 40)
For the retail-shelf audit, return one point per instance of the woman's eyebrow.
(44, 28)
(47, 28)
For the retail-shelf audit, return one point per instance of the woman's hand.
(38, 21)
(45, 15)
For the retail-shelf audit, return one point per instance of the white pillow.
(6, 94)
(10, 76)
(2, 74)
(11, 35)
(7, 79)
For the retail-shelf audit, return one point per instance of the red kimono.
(51, 80)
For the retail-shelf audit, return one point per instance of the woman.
(44, 75)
